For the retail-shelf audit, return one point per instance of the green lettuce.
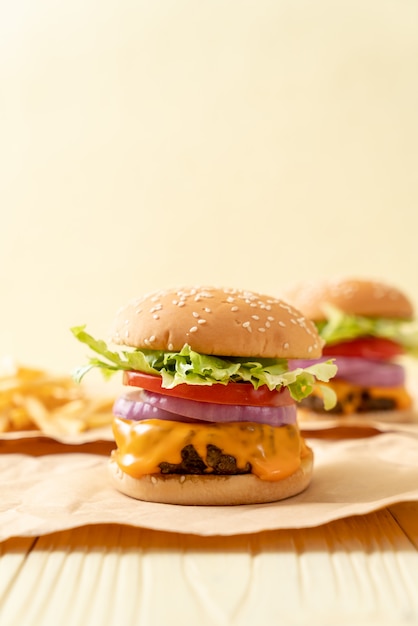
(340, 326)
(193, 368)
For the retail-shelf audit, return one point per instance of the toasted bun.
(352, 295)
(314, 419)
(211, 490)
(223, 322)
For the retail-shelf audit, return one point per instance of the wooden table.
(359, 570)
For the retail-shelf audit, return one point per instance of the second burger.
(368, 327)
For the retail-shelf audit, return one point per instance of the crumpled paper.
(102, 433)
(376, 422)
(43, 494)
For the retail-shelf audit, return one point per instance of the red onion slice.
(132, 409)
(366, 372)
(139, 405)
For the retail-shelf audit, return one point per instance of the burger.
(368, 327)
(208, 413)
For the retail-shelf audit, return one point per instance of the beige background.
(240, 143)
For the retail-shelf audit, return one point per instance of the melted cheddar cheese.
(349, 396)
(273, 452)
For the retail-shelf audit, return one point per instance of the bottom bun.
(194, 489)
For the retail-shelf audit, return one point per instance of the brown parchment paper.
(103, 433)
(42, 494)
(357, 424)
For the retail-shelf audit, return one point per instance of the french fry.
(33, 399)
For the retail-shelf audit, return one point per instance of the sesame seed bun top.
(369, 298)
(218, 321)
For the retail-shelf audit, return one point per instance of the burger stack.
(369, 328)
(209, 411)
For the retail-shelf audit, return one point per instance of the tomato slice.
(365, 347)
(232, 393)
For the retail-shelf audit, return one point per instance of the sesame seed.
(246, 324)
(254, 304)
(230, 299)
(156, 316)
(234, 309)
(193, 329)
(255, 317)
(292, 320)
(153, 480)
(285, 345)
(195, 314)
(310, 349)
(170, 347)
(181, 303)
(207, 309)
(262, 330)
(152, 338)
(182, 479)
(270, 318)
(201, 321)
(282, 324)
(138, 311)
(267, 324)
(175, 301)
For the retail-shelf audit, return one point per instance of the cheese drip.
(349, 395)
(273, 452)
